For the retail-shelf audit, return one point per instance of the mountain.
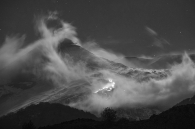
(79, 54)
(60, 116)
(18, 92)
(140, 61)
(136, 113)
(165, 61)
(159, 62)
(43, 114)
(179, 117)
(187, 101)
(31, 86)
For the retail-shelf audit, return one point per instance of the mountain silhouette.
(187, 101)
(181, 115)
(178, 117)
(43, 114)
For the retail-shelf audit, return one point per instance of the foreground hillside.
(57, 116)
(179, 117)
(41, 115)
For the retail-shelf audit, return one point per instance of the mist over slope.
(159, 62)
(61, 69)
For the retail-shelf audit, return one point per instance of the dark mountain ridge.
(178, 117)
(43, 114)
(187, 101)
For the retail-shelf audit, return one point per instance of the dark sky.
(118, 25)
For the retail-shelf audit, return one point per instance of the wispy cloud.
(65, 75)
(157, 40)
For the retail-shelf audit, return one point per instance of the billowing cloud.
(64, 78)
(163, 93)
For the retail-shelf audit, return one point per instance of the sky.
(128, 27)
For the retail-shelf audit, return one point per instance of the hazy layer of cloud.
(164, 93)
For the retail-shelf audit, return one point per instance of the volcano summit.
(58, 68)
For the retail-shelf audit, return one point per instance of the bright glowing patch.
(108, 87)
